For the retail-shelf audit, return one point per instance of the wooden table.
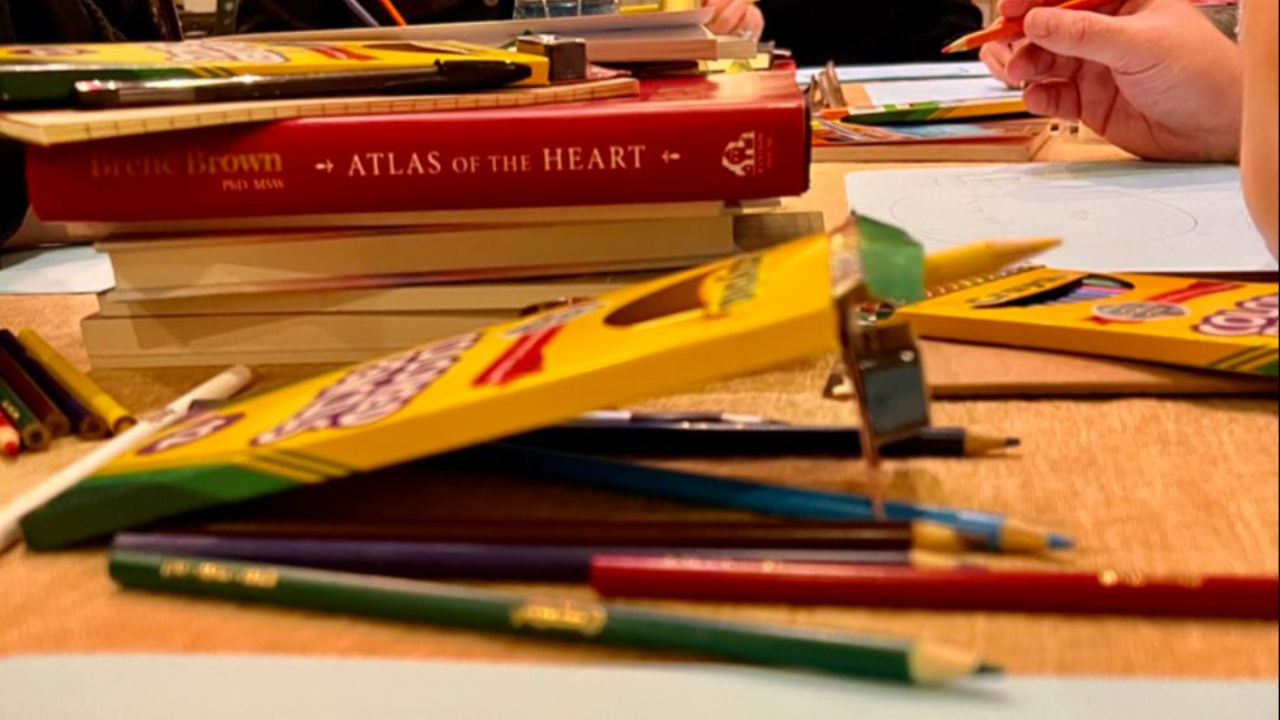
(1152, 485)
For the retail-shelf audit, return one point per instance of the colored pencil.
(573, 620)
(26, 389)
(10, 440)
(937, 112)
(995, 532)
(981, 258)
(685, 439)
(1005, 29)
(221, 387)
(394, 12)
(85, 424)
(94, 398)
(35, 437)
(1107, 592)
(821, 535)
(480, 561)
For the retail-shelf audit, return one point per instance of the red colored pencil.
(1104, 593)
(10, 440)
(1004, 29)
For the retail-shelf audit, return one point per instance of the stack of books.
(316, 239)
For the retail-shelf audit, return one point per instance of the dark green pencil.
(34, 435)
(456, 606)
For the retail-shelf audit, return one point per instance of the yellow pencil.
(981, 258)
(86, 391)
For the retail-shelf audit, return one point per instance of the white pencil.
(219, 388)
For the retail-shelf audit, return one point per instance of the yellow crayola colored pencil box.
(1209, 324)
(48, 73)
(732, 317)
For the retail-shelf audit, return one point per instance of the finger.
(1017, 8)
(996, 57)
(1014, 9)
(1058, 98)
(731, 19)
(1031, 63)
(754, 22)
(1098, 96)
(719, 8)
(1079, 34)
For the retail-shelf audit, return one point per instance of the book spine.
(447, 161)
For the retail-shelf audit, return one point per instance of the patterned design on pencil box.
(1255, 360)
(1091, 289)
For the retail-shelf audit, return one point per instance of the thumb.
(1088, 36)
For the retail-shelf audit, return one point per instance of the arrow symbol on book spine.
(326, 166)
(668, 157)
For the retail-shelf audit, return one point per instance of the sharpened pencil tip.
(1060, 542)
(989, 669)
(1013, 442)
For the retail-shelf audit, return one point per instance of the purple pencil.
(474, 561)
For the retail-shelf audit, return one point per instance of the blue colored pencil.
(996, 532)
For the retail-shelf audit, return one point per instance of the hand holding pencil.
(1126, 68)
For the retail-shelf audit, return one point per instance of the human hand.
(1155, 77)
(735, 17)
(997, 55)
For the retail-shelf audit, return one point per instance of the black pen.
(690, 438)
(440, 77)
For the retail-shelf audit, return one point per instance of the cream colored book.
(678, 44)
(502, 32)
(439, 281)
(551, 214)
(619, 38)
(457, 297)
(196, 340)
(57, 127)
(296, 256)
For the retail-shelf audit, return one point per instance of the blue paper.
(905, 71)
(1113, 217)
(263, 688)
(69, 270)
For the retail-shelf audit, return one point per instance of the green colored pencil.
(456, 606)
(34, 435)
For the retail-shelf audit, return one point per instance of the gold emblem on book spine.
(587, 619)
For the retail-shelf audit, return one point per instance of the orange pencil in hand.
(1004, 29)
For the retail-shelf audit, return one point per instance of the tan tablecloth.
(1153, 485)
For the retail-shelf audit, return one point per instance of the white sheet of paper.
(902, 92)
(262, 688)
(905, 71)
(1113, 217)
(69, 270)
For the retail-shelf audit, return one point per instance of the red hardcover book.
(726, 137)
